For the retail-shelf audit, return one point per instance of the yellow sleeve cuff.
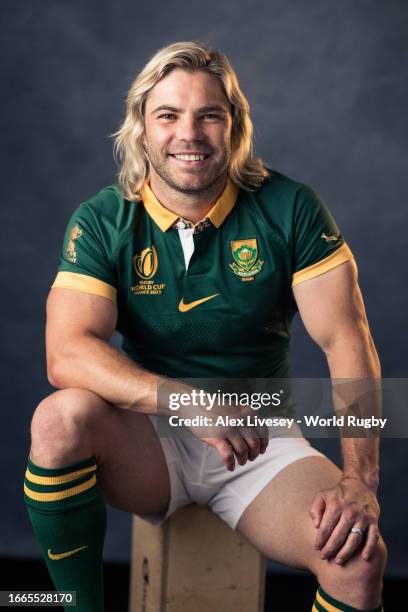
(339, 256)
(87, 284)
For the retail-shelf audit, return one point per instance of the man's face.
(188, 131)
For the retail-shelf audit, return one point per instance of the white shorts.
(198, 475)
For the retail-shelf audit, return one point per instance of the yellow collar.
(165, 219)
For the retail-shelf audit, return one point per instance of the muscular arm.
(79, 326)
(332, 309)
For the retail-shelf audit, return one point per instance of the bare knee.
(370, 572)
(63, 427)
(361, 580)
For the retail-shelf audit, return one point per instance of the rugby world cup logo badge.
(146, 263)
(145, 266)
(246, 263)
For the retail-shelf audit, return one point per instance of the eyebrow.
(202, 109)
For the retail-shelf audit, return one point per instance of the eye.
(211, 116)
(168, 116)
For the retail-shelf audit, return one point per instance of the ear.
(143, 143)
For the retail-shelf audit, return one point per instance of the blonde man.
(200, 257)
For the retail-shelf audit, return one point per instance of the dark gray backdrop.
(327, 84)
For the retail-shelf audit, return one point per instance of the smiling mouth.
(190, 157)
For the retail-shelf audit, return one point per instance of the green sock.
(67, 512)
(326, 603)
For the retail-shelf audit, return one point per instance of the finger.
(240, 448)
(260, 431)
(253, 443)
(328, 522)
(353, 542)
(263, 435)
(337, 539)
(225, 451)
(264, 445)
(317, 509)
(373, 536)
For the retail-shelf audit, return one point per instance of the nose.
(188, 128)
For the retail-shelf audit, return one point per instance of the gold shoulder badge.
(246, 263)
(145, 266)
(74, 234)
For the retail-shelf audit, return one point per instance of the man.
(200, 258)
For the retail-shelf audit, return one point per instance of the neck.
(191, 206)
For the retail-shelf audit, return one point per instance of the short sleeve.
(318, 245)
(85, 260)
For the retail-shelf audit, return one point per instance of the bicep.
(331, 305)
(72, 314)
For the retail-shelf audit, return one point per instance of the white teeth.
(190, 157)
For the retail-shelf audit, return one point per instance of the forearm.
(356, 378)
(91, 363)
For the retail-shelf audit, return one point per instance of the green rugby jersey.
(229, 314)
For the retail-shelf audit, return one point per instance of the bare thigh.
(133, 472)
(277, 522)
(73, 424)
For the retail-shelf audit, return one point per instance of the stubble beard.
(160, 163)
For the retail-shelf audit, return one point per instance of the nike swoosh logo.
(63, 555)
(186, 307)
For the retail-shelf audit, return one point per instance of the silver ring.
(358, 530)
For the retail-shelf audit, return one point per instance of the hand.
(244, 444)
(351, 503)
(239, 442)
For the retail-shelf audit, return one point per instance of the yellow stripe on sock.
(54, 480)
(49, 497)
(327, 606)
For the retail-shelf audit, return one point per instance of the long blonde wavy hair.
(245, 170)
